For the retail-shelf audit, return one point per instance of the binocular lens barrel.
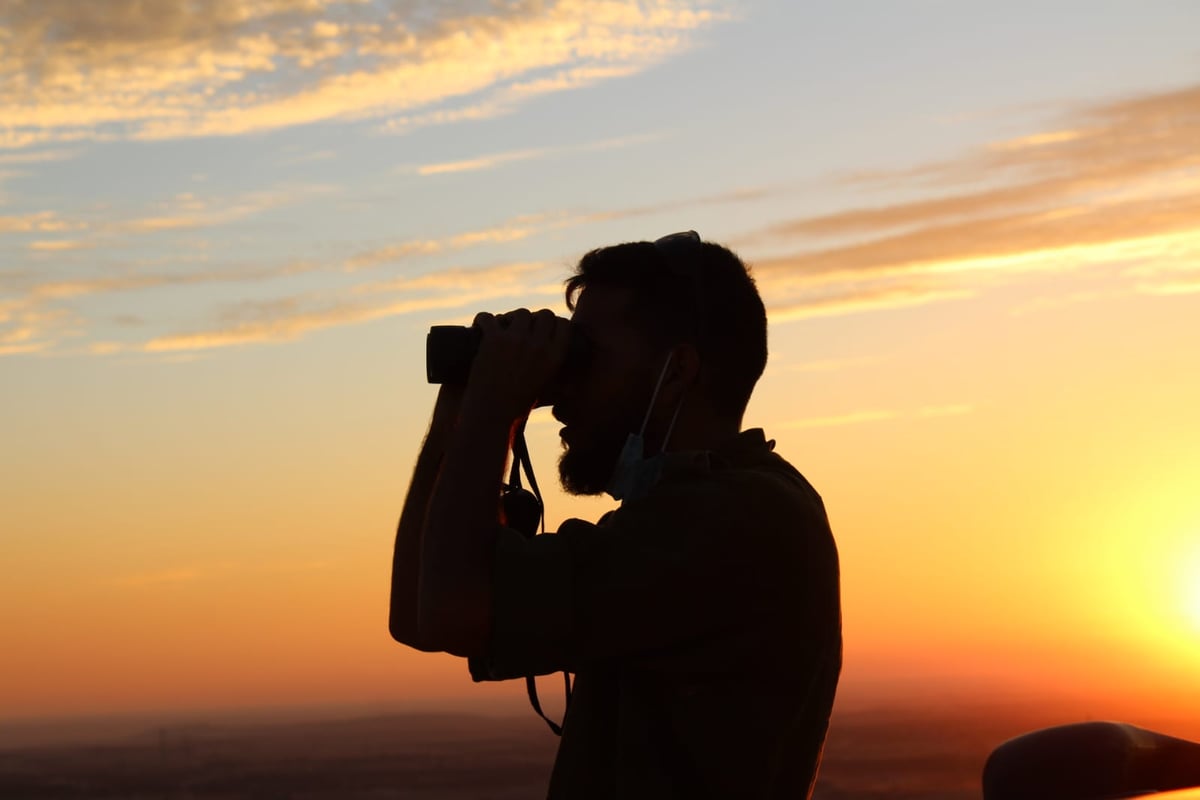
(450, 349)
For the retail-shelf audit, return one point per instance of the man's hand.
(519, 355)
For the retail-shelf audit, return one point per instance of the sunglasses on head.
(682, 243)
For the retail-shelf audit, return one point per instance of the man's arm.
(514, 363)
(406, 558)
(454, 603)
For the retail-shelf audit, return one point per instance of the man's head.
(678, 309)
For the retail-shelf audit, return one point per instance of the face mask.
(634, 474)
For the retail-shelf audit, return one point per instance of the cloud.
(507, 99)
(285, 318)
(81, 287)
(529, 225)
(860, 417)
(42, 222)
(497, 159)
(185, 211)
(825, 365)
(520, 276)
(853, 418)
(1173, 269)
(309, 157)
(1055, 302)
(288, 318)
(188, 211)
(852, 298)
(1118, 184)
(154, 69)
(58, 245)
(30, 326)
(1183, 285)
(510, 231)
(105, 348)
(1113, 185)
(38, 156)
(34, 316)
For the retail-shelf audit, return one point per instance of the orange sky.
(983, 305)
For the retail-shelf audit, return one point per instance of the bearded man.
(700, 618)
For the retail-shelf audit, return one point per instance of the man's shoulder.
(764, 502)
(760, 476)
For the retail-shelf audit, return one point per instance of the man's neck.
(710, 434)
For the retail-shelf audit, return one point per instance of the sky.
(225, 228)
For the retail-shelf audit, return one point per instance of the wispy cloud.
(528, 225)
(39, 222)
(35, 315)
(184, 211)
(59, 245)
(30, 326)
(31, 296)
(852, 418)
(836, 300)
(188, 211)
(879, 415)
(1118, 184)
(288, 318)
(38, 156)
(1183, 285)
(509, 231)
(493, 160)
(825, 365)
(176, 68)
(504, 99)
(309, 157)
(1114, 185)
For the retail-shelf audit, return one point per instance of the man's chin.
(582, 477)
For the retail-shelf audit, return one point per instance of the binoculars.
(450, 349)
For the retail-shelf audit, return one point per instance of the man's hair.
(699, 293)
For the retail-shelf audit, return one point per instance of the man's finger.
(518, 319)
(543, 323)
(483, 320)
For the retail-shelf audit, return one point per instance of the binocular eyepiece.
(450, 349)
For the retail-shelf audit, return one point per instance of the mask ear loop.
(671, 427)
(661, 377)
(646, 419)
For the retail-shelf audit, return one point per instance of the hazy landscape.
(871, 753)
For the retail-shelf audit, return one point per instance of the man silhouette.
(701, 618)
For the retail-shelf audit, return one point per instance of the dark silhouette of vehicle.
(1093, 761)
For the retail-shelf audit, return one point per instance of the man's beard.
(587, 466)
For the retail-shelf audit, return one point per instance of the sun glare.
(1190, 580)
(1192, 599)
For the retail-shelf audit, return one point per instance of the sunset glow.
(225, 229)
(1189, 586)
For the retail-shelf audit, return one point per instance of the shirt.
(702, 622)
